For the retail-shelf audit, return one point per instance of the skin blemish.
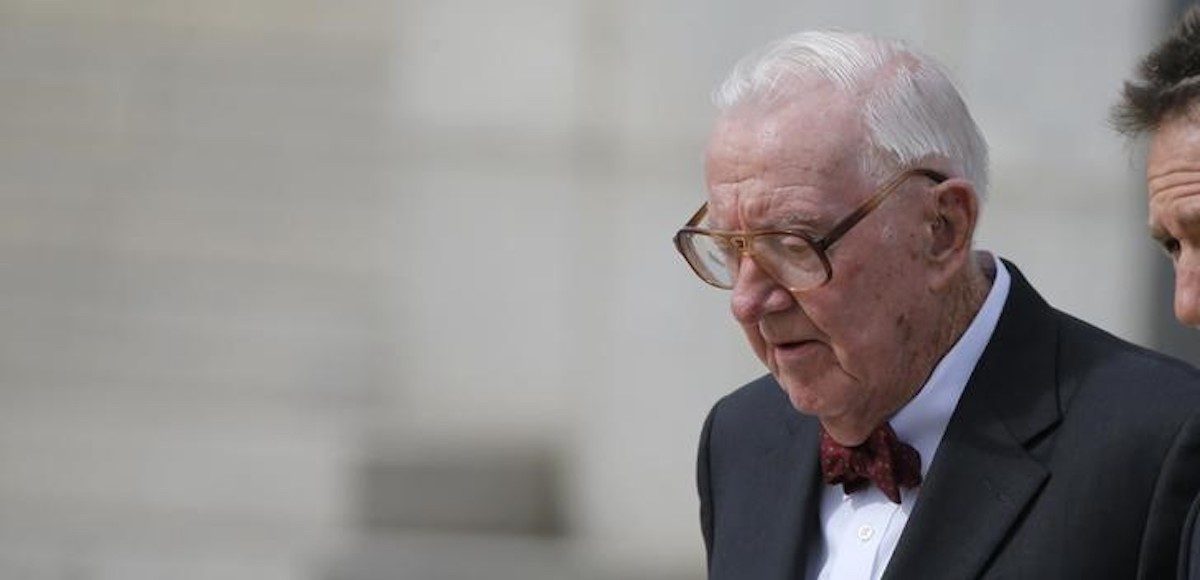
(904, 328)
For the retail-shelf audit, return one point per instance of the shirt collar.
(922, 421)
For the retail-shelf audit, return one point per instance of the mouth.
(794, 348)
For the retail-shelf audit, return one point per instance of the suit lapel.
(983, 476)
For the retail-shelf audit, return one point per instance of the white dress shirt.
(860, 531)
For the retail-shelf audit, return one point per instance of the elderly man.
(1165, 103)
(927, 415)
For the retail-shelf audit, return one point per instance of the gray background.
(384, 288)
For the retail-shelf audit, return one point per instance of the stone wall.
(381, 289)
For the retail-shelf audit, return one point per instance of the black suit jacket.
(1071, 454)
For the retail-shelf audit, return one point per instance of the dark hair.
(1168, 82)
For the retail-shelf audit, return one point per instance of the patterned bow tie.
(882, 459)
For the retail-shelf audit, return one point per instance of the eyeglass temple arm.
(696, 217)
(868, 206)
(854, 217)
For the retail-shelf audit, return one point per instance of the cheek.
(757, 343)
(860, 298)
(868, 321)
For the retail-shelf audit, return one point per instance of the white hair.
(910, 108)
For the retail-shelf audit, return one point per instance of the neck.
(963, 302)
(950, 312)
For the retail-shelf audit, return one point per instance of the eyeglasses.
(794, 258)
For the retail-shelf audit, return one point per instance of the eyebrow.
(797, 221)
(1189, 214)
(804, 222)
(1187, 217)
(1158, 233)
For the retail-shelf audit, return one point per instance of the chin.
(803, 398)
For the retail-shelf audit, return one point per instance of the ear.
(951, 228)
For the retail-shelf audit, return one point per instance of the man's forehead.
(1176, 143)
(1175, 197)
(1173, 165)
(769, 209)
(789, 163)
(819, 133)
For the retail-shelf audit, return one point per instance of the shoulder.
(1130, 410)
(1094, 364)
(750, 401)
(1096, 380)
(756, 414)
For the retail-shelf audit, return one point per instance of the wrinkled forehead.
(791, 161)
(1174, 146)
(1173, 176)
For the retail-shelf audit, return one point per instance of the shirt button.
(865, 533)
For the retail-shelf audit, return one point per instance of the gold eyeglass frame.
(743, 240)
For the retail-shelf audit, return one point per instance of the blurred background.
(384, 289)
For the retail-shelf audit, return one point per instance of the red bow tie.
(882, 459)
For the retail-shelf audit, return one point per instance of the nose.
(1187, 289)
(756, 293)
